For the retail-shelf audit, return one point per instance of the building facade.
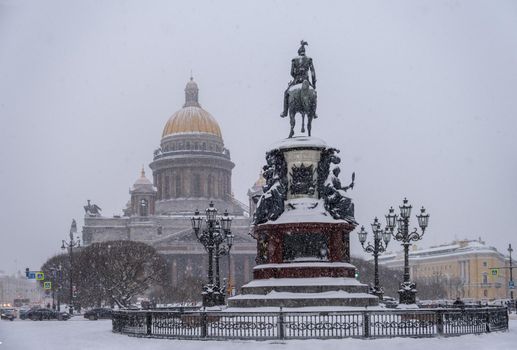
(190, 168)
(17, 286)
(467, 268)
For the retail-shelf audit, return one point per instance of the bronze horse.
(302, 100)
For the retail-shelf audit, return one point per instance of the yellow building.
(468, 269)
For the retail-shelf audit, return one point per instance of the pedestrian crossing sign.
(40, 276)
(47, 285)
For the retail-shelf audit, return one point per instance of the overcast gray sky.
(420, 96)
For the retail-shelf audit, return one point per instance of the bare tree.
(57, 271)
(124, 269)
(389, 278)
(431, 288)
(112, 272)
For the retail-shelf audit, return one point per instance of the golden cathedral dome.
(191, 118)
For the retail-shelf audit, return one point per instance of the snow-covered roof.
(455, 248)
(143, 184)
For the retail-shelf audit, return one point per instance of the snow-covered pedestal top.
(300, 282)
(299, 142)
(338, 294)
(305, 210)
(407, 306)
(304, 264)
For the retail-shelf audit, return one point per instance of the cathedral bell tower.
(143, 196)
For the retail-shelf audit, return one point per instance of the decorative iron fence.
(303, 325)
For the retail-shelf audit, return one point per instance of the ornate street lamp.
(381, 238)
(71, 245)
(217, 240)
(407, 291)
(226, 223)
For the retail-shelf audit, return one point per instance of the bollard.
(204, 325)
(366, 325)
(280, 324)
(439, 322)
(148, 323)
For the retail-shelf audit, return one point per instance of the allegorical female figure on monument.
(300, 95)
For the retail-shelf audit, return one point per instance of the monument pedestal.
(303, 249)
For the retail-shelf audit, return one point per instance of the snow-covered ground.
(81, 334)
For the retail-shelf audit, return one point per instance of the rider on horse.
(300, 67)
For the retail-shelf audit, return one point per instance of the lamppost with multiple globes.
(217, 239)
(70, 245)
(381, 239)
(407, 291)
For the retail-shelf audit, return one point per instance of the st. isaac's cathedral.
(190, 168)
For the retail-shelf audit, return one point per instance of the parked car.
(95, 314)
(7, 314)
(46, 314)
(22, 314)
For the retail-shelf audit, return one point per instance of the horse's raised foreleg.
(303, 122)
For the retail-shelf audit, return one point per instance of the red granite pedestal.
(281, 279)
(272, 250)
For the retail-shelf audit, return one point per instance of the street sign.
(494, 272)
(31, 275)
(47, 285)
(511, 284)
(40, 276)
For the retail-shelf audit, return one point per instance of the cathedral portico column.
(247, 272)
(174, 273)
(188, 183)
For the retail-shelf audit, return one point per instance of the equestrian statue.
(300, 95)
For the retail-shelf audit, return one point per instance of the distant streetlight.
(512, 286)
(407, 291)
(381, 239)
(56, 286)
(71, 245)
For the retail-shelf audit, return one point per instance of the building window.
(210, 186)
(196, 185)
(485, 293)
(143, 207)
(178, 186)
(188, 145)
(485, 264)
(485, 278)
(167, 187)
